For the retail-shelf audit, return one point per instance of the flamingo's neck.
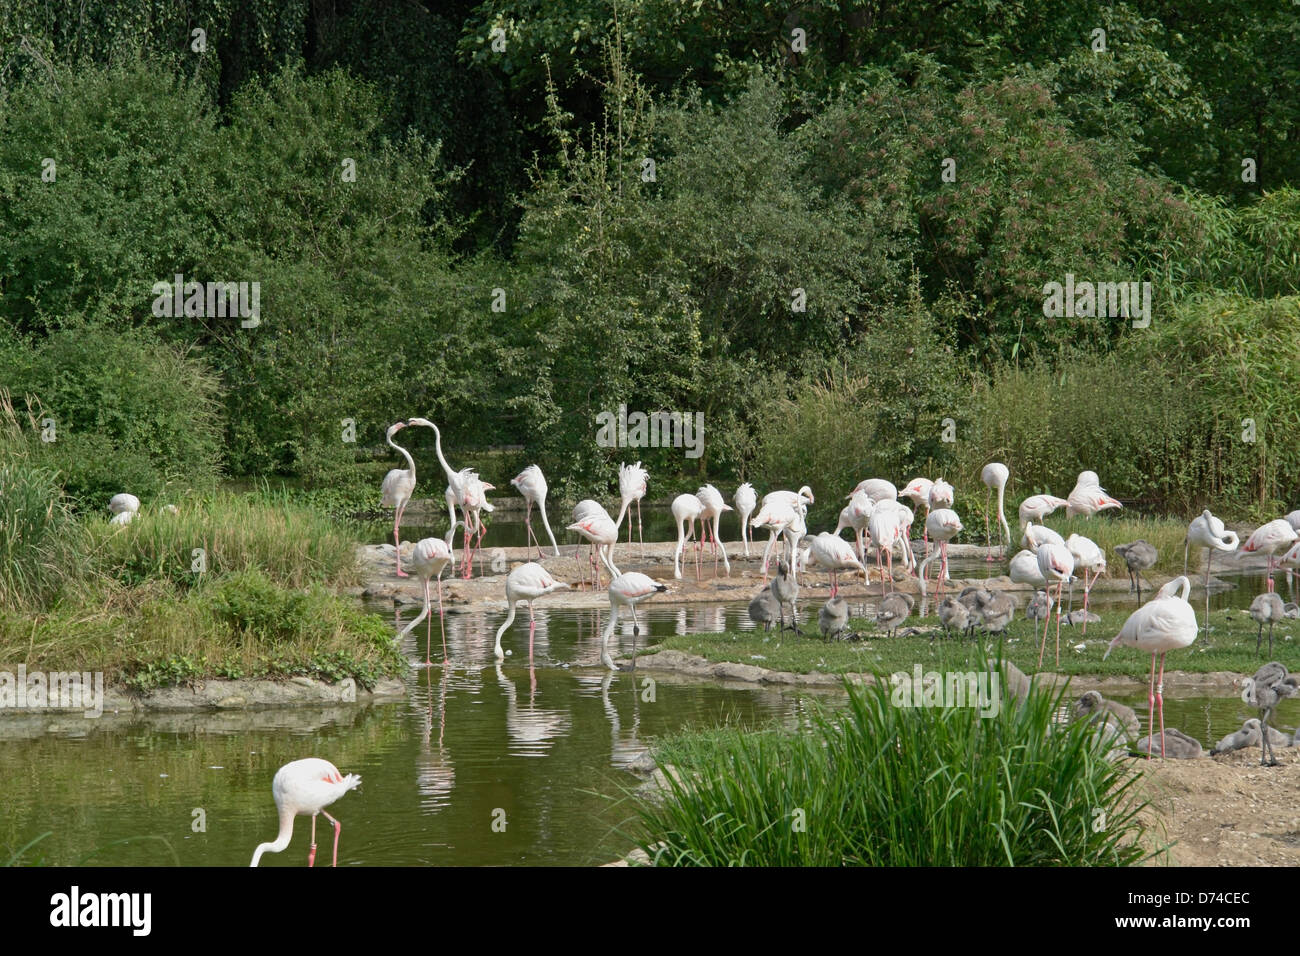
(410, 462)
(281, 841)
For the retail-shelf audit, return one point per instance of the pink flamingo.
(1088, 556)
(995, 475)
(686, 508)
(714, 504)
(1088, 497)
(1165, 623)
(602, 531)
(527, 582)
(1272, 539)
(833, 553)
(746, 501)
(885, 527)
(397, 488)
(943, 525)
(306, 786)
(1038, 507)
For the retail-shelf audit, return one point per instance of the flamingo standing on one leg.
(531, 483)
(527, 582)
(1165, 623)
(746, 501)
(1056, 564)
(686, 508)
(627, 590)
(306, 786)
(632, 487)
(398, 486)
(943, 525)
(1207, 531)
(995, 475)
(430, 559)
(714, 504)
(1272, 539)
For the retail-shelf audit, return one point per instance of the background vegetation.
(224, 157)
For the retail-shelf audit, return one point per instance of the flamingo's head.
(421, 421)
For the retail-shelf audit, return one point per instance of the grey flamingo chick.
(1271, 684)
(1139, 555)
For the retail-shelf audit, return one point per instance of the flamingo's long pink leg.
(1160, 703)
(311, 854)
(1060, 588)
(532, 629)
(1151, 709)
(442, 624)
(338, 828)
(428, 632)
(1087, 590)
(640, 535)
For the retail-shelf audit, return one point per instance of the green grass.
(880, 785)
(1230, 647)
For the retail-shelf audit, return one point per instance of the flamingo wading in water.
(627, 590)
(527, 582)
(430, 559)
(306, 786)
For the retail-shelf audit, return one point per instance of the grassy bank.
(230, 586)
(878, 785)
(1229, 647)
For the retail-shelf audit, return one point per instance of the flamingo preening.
(1038, 507)
(746, 501)
(632, 487)
(527, 582)
(627, 590)
(1088, 557)
(1165, 623)
(782, 512)
(834, 554)
(306, 786)
(397, 488)
(1207, 531)
(531, 483)
(995, 475)
(1088, 497)
(918, 492)
(430, 558)
(855, 515)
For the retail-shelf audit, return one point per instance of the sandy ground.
(1225, 810)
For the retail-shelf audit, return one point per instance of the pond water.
(541, 750)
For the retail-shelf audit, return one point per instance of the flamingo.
(1088, 497)
(1088, 556)
(123, 504)
(627, 590)
(941, 495)
(1272, 539)
(1267, 608)
(430, 559)
(943, 525)
(1165, 623)
(746, 501)
(632, 487)
(918, 492)
(905, 519)
(1139, 555)
(1271, 684)
(464, 490)
(877, 488)
(780, 512)
(1056, 563)
(531, 483)
(995, 475)
(714, 504)
(1038, 507)
(602, 531)
(527, 582)
(835, 554)
(1036, 535)
(1207, 531)
(1040, 605)
(306, 786)
(885, 526)
(855, 515)
(397, 488)
(686, 508)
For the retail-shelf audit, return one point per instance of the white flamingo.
(465, 491)
(1088, 497)
(531, 483)
(943, 525)
(602, 531)
(995, 475)
(1273, 538)
(306, 786)
(834, 554)
(430, 558)
(714, 504)
(1056, 563)
(632, 487)
(686, 508)
(746, 501)
(918, 492)
(627, 590)
(1207, 531)
(1038, 507)
(878, 488)
(397, 488)
(527, 582)
(1165, 623)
